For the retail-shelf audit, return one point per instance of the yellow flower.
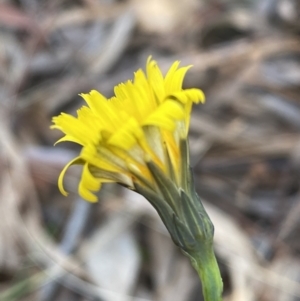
(144, 122)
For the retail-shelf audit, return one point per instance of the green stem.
(208, 270)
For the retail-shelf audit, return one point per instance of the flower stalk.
(208, 270)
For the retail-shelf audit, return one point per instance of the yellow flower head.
(144, 122)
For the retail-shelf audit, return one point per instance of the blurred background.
(245, 148)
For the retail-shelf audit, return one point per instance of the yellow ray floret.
(143, 121)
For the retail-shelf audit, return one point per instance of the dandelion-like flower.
(138, 138)
(144, 122)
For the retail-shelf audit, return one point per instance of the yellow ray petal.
(68, 138)
(88, 184)
(166, 115)
(104, 109)
(72, 127)
(126, 136)
(193, 95)
(155, 79)
(77, 160)
(174, 79)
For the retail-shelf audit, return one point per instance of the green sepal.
(184, 235)
(165, 185)
(170, 167)
(185, 180)
(203, 218)
(191, 215)
(163, 209)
